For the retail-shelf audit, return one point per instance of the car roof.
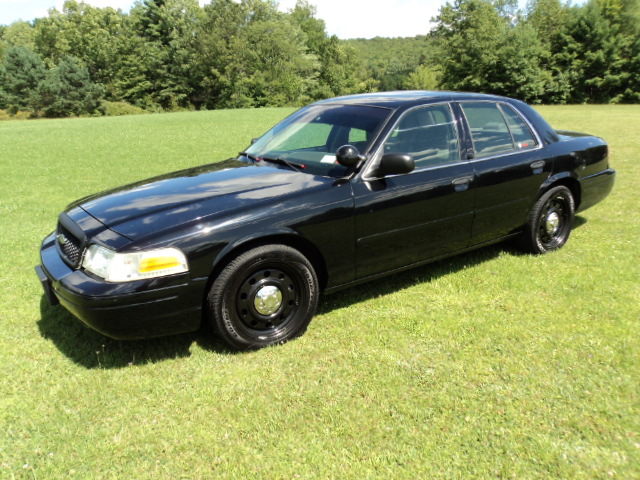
(404, 99)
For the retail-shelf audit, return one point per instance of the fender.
(283, 235)
(255, 237)
(567, 178)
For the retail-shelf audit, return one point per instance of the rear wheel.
(550, 221)
(265, 296)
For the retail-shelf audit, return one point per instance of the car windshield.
(308, 140)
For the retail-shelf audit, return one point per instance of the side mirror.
(348, 156)
(394, 164)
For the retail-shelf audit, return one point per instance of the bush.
(20, 115)
(117, 109)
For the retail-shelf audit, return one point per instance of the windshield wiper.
(281, 161)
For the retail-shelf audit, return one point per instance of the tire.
(265, 296)
(550, 220)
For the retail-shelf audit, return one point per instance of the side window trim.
(506, 122)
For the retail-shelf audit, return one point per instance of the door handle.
(461, 184)
(538, 166)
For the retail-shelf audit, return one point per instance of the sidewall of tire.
(222, 311)
(531, 240)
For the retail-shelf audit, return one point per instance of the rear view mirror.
(348, 156)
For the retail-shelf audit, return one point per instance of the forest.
(168, 55)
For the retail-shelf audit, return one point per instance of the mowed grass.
(488, 365)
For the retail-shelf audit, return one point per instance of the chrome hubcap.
(552, 223)
(268, 300)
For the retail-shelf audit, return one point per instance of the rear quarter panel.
(585, 159)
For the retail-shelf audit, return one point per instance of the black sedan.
(343, 191)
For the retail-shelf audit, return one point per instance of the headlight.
(127, 267)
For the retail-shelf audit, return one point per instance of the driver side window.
(428, 134)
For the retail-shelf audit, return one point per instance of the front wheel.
(265, 296)
(550, 220)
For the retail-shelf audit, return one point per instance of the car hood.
(195, 194)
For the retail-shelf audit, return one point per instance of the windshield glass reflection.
(308, 139)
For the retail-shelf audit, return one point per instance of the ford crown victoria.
(343, 191)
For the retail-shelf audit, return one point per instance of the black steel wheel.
(550, 221)
(265, 296)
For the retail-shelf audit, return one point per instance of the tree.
(338, 68)
(486, 49)
(68, 90)
(18, 34)
(337, 60)
(547, 17)
(160, 68)
(222, 23)
(21, 75)
(97, 37)
(386, 63)
(253, 55)
(598, 48)
(304, 15)
(271, 66)
(423, 78)
(468, 35)
(171, 54)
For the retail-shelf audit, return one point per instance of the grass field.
(487, 365)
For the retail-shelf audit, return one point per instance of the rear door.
(509, 166)
(406, 219)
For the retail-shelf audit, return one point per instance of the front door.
(406, 219)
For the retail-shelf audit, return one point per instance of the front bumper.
(134, 310)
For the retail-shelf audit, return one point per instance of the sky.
(343, 18)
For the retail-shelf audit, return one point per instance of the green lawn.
(488, 365)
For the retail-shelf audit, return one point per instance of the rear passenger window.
(496, 129)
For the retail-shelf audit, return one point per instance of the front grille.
(70, 246)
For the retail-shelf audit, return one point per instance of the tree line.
(166, 55)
